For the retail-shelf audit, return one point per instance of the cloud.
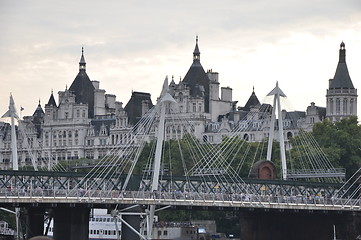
(134, 44)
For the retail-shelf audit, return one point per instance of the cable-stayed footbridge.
(176, 170)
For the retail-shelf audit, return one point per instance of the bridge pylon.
(277, 93)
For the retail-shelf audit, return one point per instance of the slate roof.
(83, 88)
(134, 106)
(99, 123)
(252, 102)
(51, 101)
(196, 79)
(38, 117)
(342, 78)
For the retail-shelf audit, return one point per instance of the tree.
(341, 142)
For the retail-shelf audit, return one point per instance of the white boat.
(101, 226)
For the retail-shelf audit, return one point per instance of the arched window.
(344, 106)
(338, 107)
(180, 95)
(289, 135)
(331, 106)
(351, 106)
(246, 137)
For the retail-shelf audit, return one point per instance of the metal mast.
(14, 153)
(165, 99)
(277, 93)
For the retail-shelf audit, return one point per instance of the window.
(338, 106)
(194, 107)
(344, 107)
(165, 232)
(331, 106)
(199, 107)
(180, 95)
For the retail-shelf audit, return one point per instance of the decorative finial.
(39, 101)
(253, 88)
(342, 45)
(197, 38)
(342, 57)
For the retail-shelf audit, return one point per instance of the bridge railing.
(174, 196)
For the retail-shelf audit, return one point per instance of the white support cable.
(128, 146)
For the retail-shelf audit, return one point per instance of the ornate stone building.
(341, 94)
(86, 122)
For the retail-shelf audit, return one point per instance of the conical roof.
(83, 88)
(39, 113)
(196, 78)
(38, 117)
(252, 102)
(51, 101)
(342, 77)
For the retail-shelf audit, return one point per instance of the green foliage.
(177, 155)
(341, 142)
(9, 218)
(181, 155)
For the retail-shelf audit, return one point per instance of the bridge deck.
(200, 200)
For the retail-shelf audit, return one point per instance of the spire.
(196, 53)
(51, 101)
(252, 102)
(38, 111)
(82, 62)
(342, 58)
(342, 77)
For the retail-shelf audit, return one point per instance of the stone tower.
(341, 95)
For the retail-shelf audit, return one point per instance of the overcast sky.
(133, 45)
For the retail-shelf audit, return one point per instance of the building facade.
(341, 94)
(86, 122)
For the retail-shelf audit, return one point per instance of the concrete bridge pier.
(133, 221)
(34, 221)
(71, 223)
(298, 225)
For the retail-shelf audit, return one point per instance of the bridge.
(210, 179)
(66, 192)
(37, 188)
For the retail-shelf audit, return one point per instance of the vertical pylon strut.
(164, 99)
(277, 93)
